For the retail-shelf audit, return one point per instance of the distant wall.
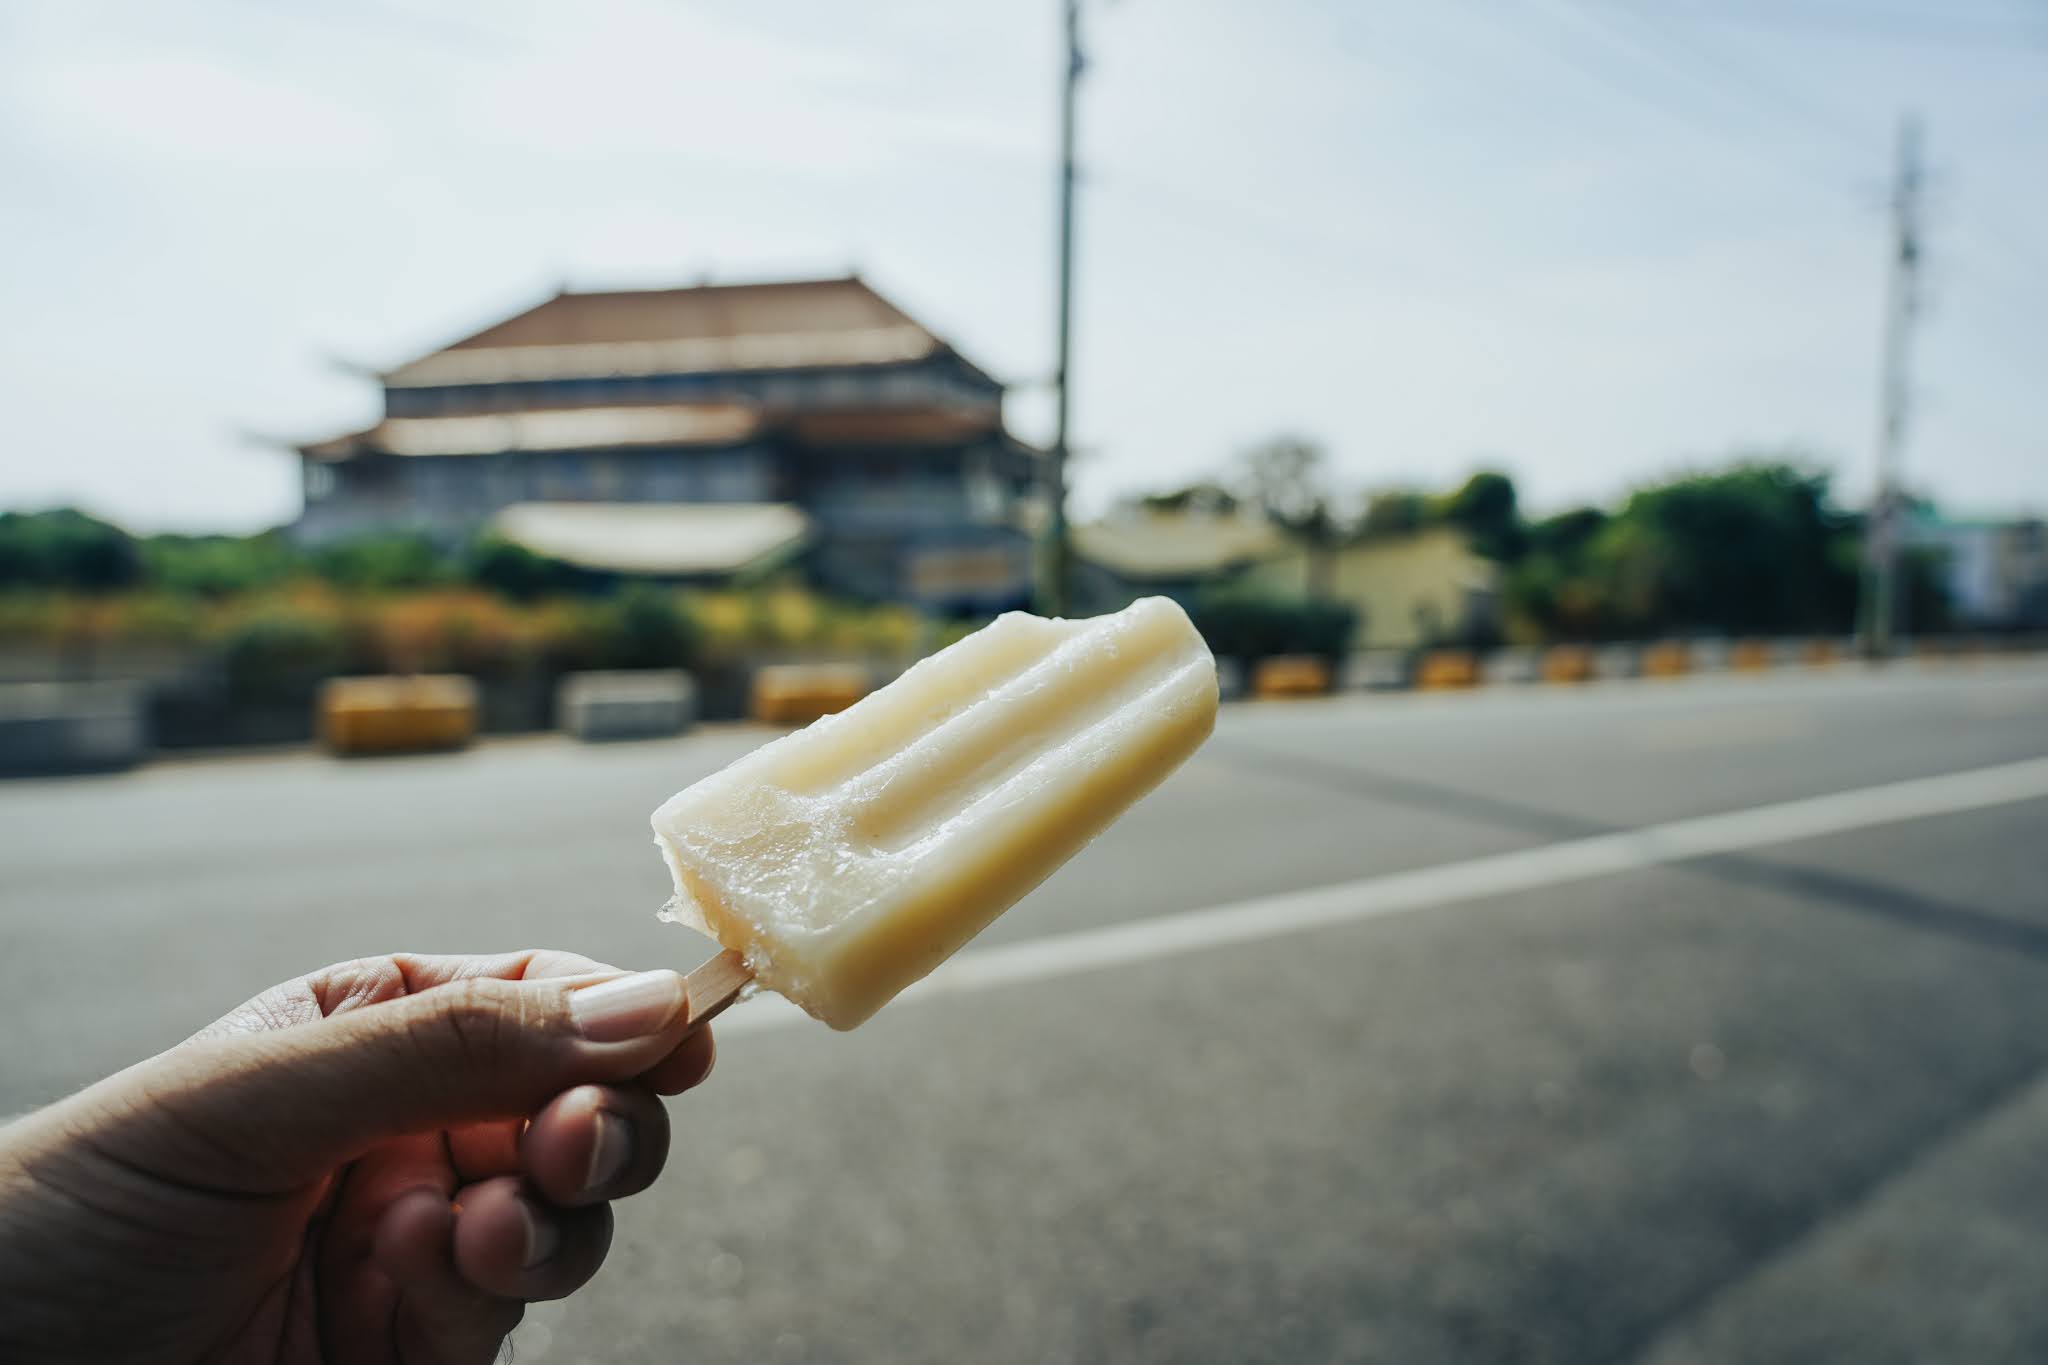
(1417, 589)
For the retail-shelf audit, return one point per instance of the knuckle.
(352, 984)
(478, 1024)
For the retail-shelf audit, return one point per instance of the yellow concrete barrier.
(1666, 659)
(1818, 653)
(1567, 664)
(397, 715)
(797, 694)
(1442, 669)
(1291, 675)
(1750, 656)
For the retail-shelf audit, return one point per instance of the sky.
(1591, 242)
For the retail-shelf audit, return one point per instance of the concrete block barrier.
(797, 694)
(1515, 664)
(1290, 675)
(1712, 655)
(639, 704)
(1567, 664)
(1666, 659)
(48, 727)
(1819, 653)
(1445, 669)
(397, 715)
(1785, 653)
(1750, 656)
(1618, 661)
(1378, 670)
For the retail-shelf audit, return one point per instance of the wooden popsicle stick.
(715, 985)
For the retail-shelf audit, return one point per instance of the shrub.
(645, 627)
(449, 630)
(382, 562)
(218, 566)
(158, 618)
(513, 571)
(33, 617)
(1248, 627)
(278, 653)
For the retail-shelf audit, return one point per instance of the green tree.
(383, 561)
(1205, 496)
(218, 566)
(1395, 511)
(1485, 509)
(1566, 534)
(1285, 478)
(1756, 548)
(513, 571)
(65, 548)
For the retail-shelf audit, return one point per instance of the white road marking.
(1428, 888)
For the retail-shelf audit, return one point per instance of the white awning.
(1148, 545)
(654, 538)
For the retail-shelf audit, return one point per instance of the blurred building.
(1140, 551)
(695, 432)
(1995, 570)
(1412, 589)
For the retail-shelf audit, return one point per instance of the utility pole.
(1902, 310)
(1052, 547)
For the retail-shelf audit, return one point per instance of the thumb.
(267, 1112)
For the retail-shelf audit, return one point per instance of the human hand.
(378, 1162)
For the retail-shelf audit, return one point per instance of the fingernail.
(541, 1238)
(608, 1153)
(629, 1007)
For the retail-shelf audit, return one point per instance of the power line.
(1733, 76)
(2023, 31)
(1771, 158)
(2018, 252)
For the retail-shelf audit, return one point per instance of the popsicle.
(841, 863)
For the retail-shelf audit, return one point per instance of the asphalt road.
(1657, 1098)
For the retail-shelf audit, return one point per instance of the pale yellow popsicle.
(850, 858)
